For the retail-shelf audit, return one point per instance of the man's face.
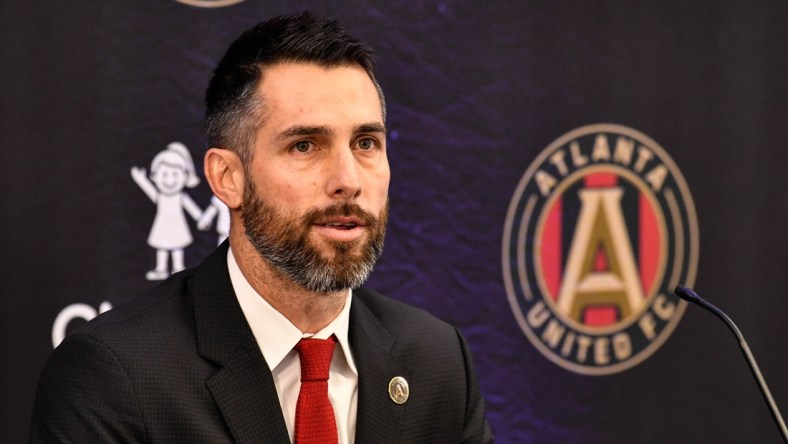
(316, 193)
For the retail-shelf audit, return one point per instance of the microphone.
(690, 296)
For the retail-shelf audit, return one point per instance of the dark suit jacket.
(182, 365)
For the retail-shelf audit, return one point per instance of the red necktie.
(315, 422)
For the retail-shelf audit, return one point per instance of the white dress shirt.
(276, 336)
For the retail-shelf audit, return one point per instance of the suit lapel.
(243, 387)
(245, 393)
(378, 419)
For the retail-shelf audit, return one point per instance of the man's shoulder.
(123, 364)
(400, 317)
(167, 300)
(149, 328)
(165, 307)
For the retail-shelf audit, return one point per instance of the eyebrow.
(322, 130)
(370, 128)
(304, 130)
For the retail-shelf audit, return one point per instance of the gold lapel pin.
(399, 390)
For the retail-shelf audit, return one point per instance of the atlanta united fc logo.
(599, 231)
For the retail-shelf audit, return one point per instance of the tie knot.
(315, 356)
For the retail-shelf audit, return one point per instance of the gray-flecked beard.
(284, 243)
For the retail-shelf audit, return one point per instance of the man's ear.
(225, 175)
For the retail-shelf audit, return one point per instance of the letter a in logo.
(600, 274)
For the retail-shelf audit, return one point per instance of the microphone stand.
(690, 296)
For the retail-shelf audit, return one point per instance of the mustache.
(316, 215)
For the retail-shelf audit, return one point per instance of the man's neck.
(308, 311)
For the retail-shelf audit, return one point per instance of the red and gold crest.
(600, 230)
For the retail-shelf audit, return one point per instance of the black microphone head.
(687, 294)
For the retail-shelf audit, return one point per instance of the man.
(221, 353)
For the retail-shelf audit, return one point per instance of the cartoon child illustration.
(170, 171)
(216, 208)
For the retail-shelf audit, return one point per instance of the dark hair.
(234, 112)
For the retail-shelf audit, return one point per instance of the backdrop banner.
(557, 168)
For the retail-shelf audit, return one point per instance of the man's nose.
(343, 174)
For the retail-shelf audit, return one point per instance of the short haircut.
(234, 112)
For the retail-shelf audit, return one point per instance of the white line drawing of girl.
(171, 171)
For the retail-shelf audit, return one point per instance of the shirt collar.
(275, 334)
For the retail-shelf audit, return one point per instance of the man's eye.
(366, 144)
(302, 146)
